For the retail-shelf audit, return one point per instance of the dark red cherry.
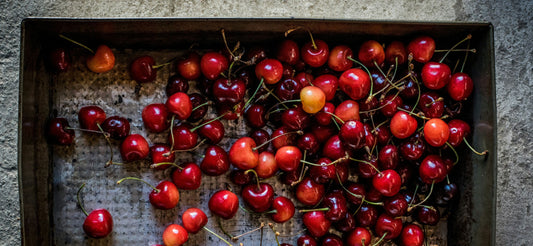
(317, 223)
(134, 148)
(308, 142)
(160, 153)
(458, 130)
(422, 48)
(290, 178)
(435, 75)
(284, 209)
(224, 203)
(365, 169)
(390, 105)
(395, 206)
(176, 84)
(346, 224)
(395, 53)
(359, 237)
(374, 195)
(388, 182)
(370, 53)
(338, 58)
(309, 193)
(270, 70)
(328, 83)
(255, 116)
(189, 66)
(428, 215)
(315, 57)
(240, 177)
(411, 88)
(155, 117)
(255, 54)
(357, 189)
(389, 225)
(336, 203)
(212, 130)
(117, 127)
(323, 133)
(388, 157)
(288, 52)
(295, 118)
(413, 148)
(229, 91)
(379, 81)
(323, 173)
(215, 162)
(383, 134)
(59, 132)
(213, 64)
(288, 89)
(323, 117)
(58, 60)
(304, 79)
(306, 240)
(258, 197)
(230, 112)
(352, 133)
(189, 177)
(260, 136)
(370, 138)
(331, 240)
(367, 216)
(98, 224)
(431, 104)
(334, 148)
(460, 86)
(432, 169)
(142, 69)
(412, 235)
(90, 117)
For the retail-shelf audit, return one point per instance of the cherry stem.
(380, 107)
(414, 195)
(468, 37)
(201, 105)
(346, 157)
(370, 95)
(440, 99)
(466, 56)
(336, 117)
(187, 150)
(138, 179)
(235, 238)
(459, 50)
(226, 44)
(380, 124)
(455, 152)
(172, 133)
(79, 200)
(384, 75)
(256, 177)
(209, 122)
(425, 199)
(302, 174)
(255, 92)
(87, 130)
(282, 103)
(366, 162)
(363, 200)
(276, 234)
(395, 68)
(76, 42)
(166, 163)
(110, 162)
(222, 228)
(299, 132)
(381, 239)
(413, 114)
(274, 95)
(313, 210)
(474, 150)
(419, 91)
(216, 235)
(161, 65)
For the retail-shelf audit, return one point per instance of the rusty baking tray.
(45, 185)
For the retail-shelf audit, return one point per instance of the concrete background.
(514, 72)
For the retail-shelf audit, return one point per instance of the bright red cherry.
(229, 91)
(212, 130)
(306, 240)
(336, 204)
(458, 130)
(259, 197)
(388, 182)
(436, 132)
(134, 148)
(338, 58)
(288, 158)
(328, 84)
(183, 137)
(243, 155)
(391, 226)
(175, 235)
(422, 48)
(98, 224)
(59, 132)
(90, 117)
(315, 56)
(435, 75)
(317, 223)
(359, 237)
(213, 64)
(403, 125)
(309, 193)
(215, 162)
(460, 86)
(188, 177)
(117, 127)
(189, 66)
(270, 70)
(267, 166)
(334, 148)
(284, 209)
(355, 83)
(180, 105)
(159, 152)
(395, 53)
(352, 133)
(155, 117)
(432, 169)
(224, 203)
(348, 110)
(142, 69)
(288, 52)
(193, 219)
(371, 53)
(412, 235)
(166, 196)
(287, 139)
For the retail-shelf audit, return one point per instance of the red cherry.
(308, 142)
(213, 64)
(432, 169)
(332, 240)
(323, 133)
(240, 177)
(193, 219)
(284, 209)
(287, 139)
(306, 240)
(270, 70)
(59, 132)
(395, 53)
(388, 157)
(383, 134)
(259, 197)
(387, 224)
(309, 193)
(436, 132)
(435, 75)
(359, 237)
(323, 117)
(388, 182)
(180, 105)
(367, 216)
(229, 91)
(175, 235)
(365, 169)
(422, 48)
(117, 127)
(428, 216)
(334, 148)
(267, 166)
(224, 203)
(199, 111)
(159, 152)
(288, 89)
(323, 173)
(396, 206)
(336, 204)
(102, 61)
(371, 53)
(243, 155)
(338, 58)
(355, 83)
(189, 177)
(212, 130)
(348, 110)
(403, 125)
(412, 235)
(460, 86)
(176, 84)
(182, 137)
(142, 69)
(346, 224)
(255, 116)
(357, 189)
(295, 118)
(98, 224)
(134, 148)
(261, 136)
(189, 66)
(215, 162)
(328, 84)
(58, 60)
(458, 130)
(155, 117)
(288, 158)
(389, 105)
(90, 117)
(304, 79)
(413, 148)
(352, 133)
(315, 57)
(166, 196)
(316, 223)
(431, 104)
(288, 52)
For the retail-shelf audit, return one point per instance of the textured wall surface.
(514, 72)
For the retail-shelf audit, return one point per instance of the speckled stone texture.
(512, 21)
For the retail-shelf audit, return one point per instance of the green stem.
(455, 152)
(468, 37)
(313, 210)
(425, 199)
(249, 232)
(209, 122)
(216, 235)
(274, 95)
(172, 133)
(474, 150)
(381, 239)
(385, 76)
(161, 65)
(166, 163)
(335, 116)
(414, 195)
(79, 201)
(419, 92)
(138, 179)
(299, 132)
(253, 95)
(256, 177)
(413, 114)
(110, 162)
(201, 105)
(222, 228)
(75, 42)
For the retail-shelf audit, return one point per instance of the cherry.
(389, 105)
(383, 134)
(295, 118)
(215, 162)
(255, 116)
(288, 158)
(306, 240)
(58, 60)
(367, 215)
(230, 112)
(288, 52)
(411, 88)
(388, 157)
(155, 117)
(346, 224)
(194, 219)
(432, 169)
(255, 54)
(316, 223)
(304, 78)
(458, 130)
(395, 206)
(134, 148)
(284, 209)
(413, 149)
(161, 153)
(388, 227)
(240, 177)
(308, 192)
(224, 203)
(243, 154)
(313, 99)
(448, 192)
(102, 61)
(371, 53)
(328, 84)
(431, 104)
(367, 169)
(370, 138)
(59, 131)
(331, 240)
(315, 53)
(403, 125)
(334, 148)
(261, 136)
(387, 182)
(229, 91)
(435, 75)
(395, 53)
(269, 70)
(267, 166)
(280, 137)
(373, 195)
(117, 127)
(412, 235)
(90, 117)
(213, 130)
(182, 137)
(379, 80)
(436, 132)
(336, 204)
(460, 86)
(288, 89)
(347, 110)
(338, 58)
(352, 133)
(308, 142)
(355, 83)
(259, 197)
(359, 237)
(180, 105)
(428, 215)
(199, 107)
(323, 172)
(187, 177)
(357, 189)
(176, 84)
(322, 133)
(323, 117)
(143, 70)
(213, 64)
(189, 66)
(164, 196)
(98, 223)
(291, 178)
(175, 235)
(422, 48)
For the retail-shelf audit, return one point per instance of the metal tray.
(46, 198)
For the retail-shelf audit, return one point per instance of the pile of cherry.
(365, 141)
